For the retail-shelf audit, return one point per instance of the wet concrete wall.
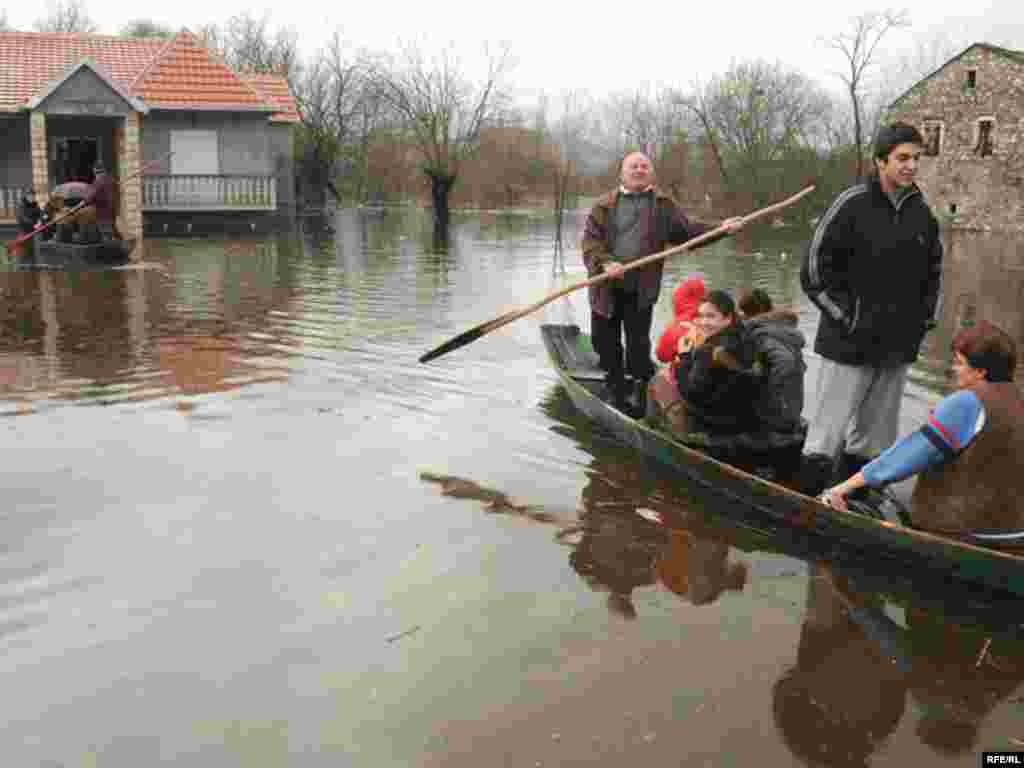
(984, 280)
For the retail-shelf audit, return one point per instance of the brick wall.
(986, 192)
(40, 158)
(128, 141)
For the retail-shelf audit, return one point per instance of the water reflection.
(196, 317)
(857, 673)
(857, 668)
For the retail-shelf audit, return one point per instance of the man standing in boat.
(101, 199)
(874, 269)
(627, 224)
(98, 208)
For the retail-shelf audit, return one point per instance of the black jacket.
(779, 345)
(875, 272)
(719, 389)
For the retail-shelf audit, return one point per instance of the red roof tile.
(186, 75)
(274, 90)
(166, 74)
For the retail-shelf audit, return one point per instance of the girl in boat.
(715, 369)
(968, 454)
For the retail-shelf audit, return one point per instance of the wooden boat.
(50, 254)
(926, 553)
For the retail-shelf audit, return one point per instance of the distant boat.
(51, 254)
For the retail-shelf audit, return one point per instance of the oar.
(467, 337)
(29, 235)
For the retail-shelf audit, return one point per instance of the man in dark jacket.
(627, 224)
(874, 269)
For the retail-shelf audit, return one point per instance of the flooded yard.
(244, 527)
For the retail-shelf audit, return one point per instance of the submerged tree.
(66, 16)
(336, 106)
(858, 46)
(443, 112)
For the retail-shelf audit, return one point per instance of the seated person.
(779, 344)
(715, 373)
(779, 347)
(968, 454)
(28, 214)
(685, 300)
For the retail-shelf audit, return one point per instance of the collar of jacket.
(780, 315)
(609, 199)
(875, 185)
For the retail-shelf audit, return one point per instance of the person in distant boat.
(636, 220)
(715, 370)
(98, 206)
(874, 269)
(29, 214)
(968, 454)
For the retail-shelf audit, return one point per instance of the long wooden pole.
(11, 245)
(468, 337)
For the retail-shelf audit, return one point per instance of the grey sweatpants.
(858, 405)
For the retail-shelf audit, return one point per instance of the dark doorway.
(75, 158)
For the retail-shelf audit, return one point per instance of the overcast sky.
(599, 47)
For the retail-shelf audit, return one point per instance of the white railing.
(10, 199)
(209, 193)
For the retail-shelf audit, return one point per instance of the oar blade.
(468, 337)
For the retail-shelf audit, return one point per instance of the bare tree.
(4, 26)
(858, 46)
(66, 16)
(760, 120)
(443, 112)
(247, 43)
(337, 109)
(145, 28)
(563, 144)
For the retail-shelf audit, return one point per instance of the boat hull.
(50, 254)
(946, 558)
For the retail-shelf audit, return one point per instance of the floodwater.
(244, 527)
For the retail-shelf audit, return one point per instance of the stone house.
(213, 144)
(971, 113)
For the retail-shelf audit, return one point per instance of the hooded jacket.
(665, 225)
(779, 344)
(685, 300)
(874, 269)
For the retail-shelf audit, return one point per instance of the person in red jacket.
(686, 298)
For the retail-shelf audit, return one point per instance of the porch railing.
(10, 199)
(209, 193)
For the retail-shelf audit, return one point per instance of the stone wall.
(965, 188)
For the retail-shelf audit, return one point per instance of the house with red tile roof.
(209, 141)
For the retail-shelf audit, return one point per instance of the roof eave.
(165, 107)
(135, 103)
